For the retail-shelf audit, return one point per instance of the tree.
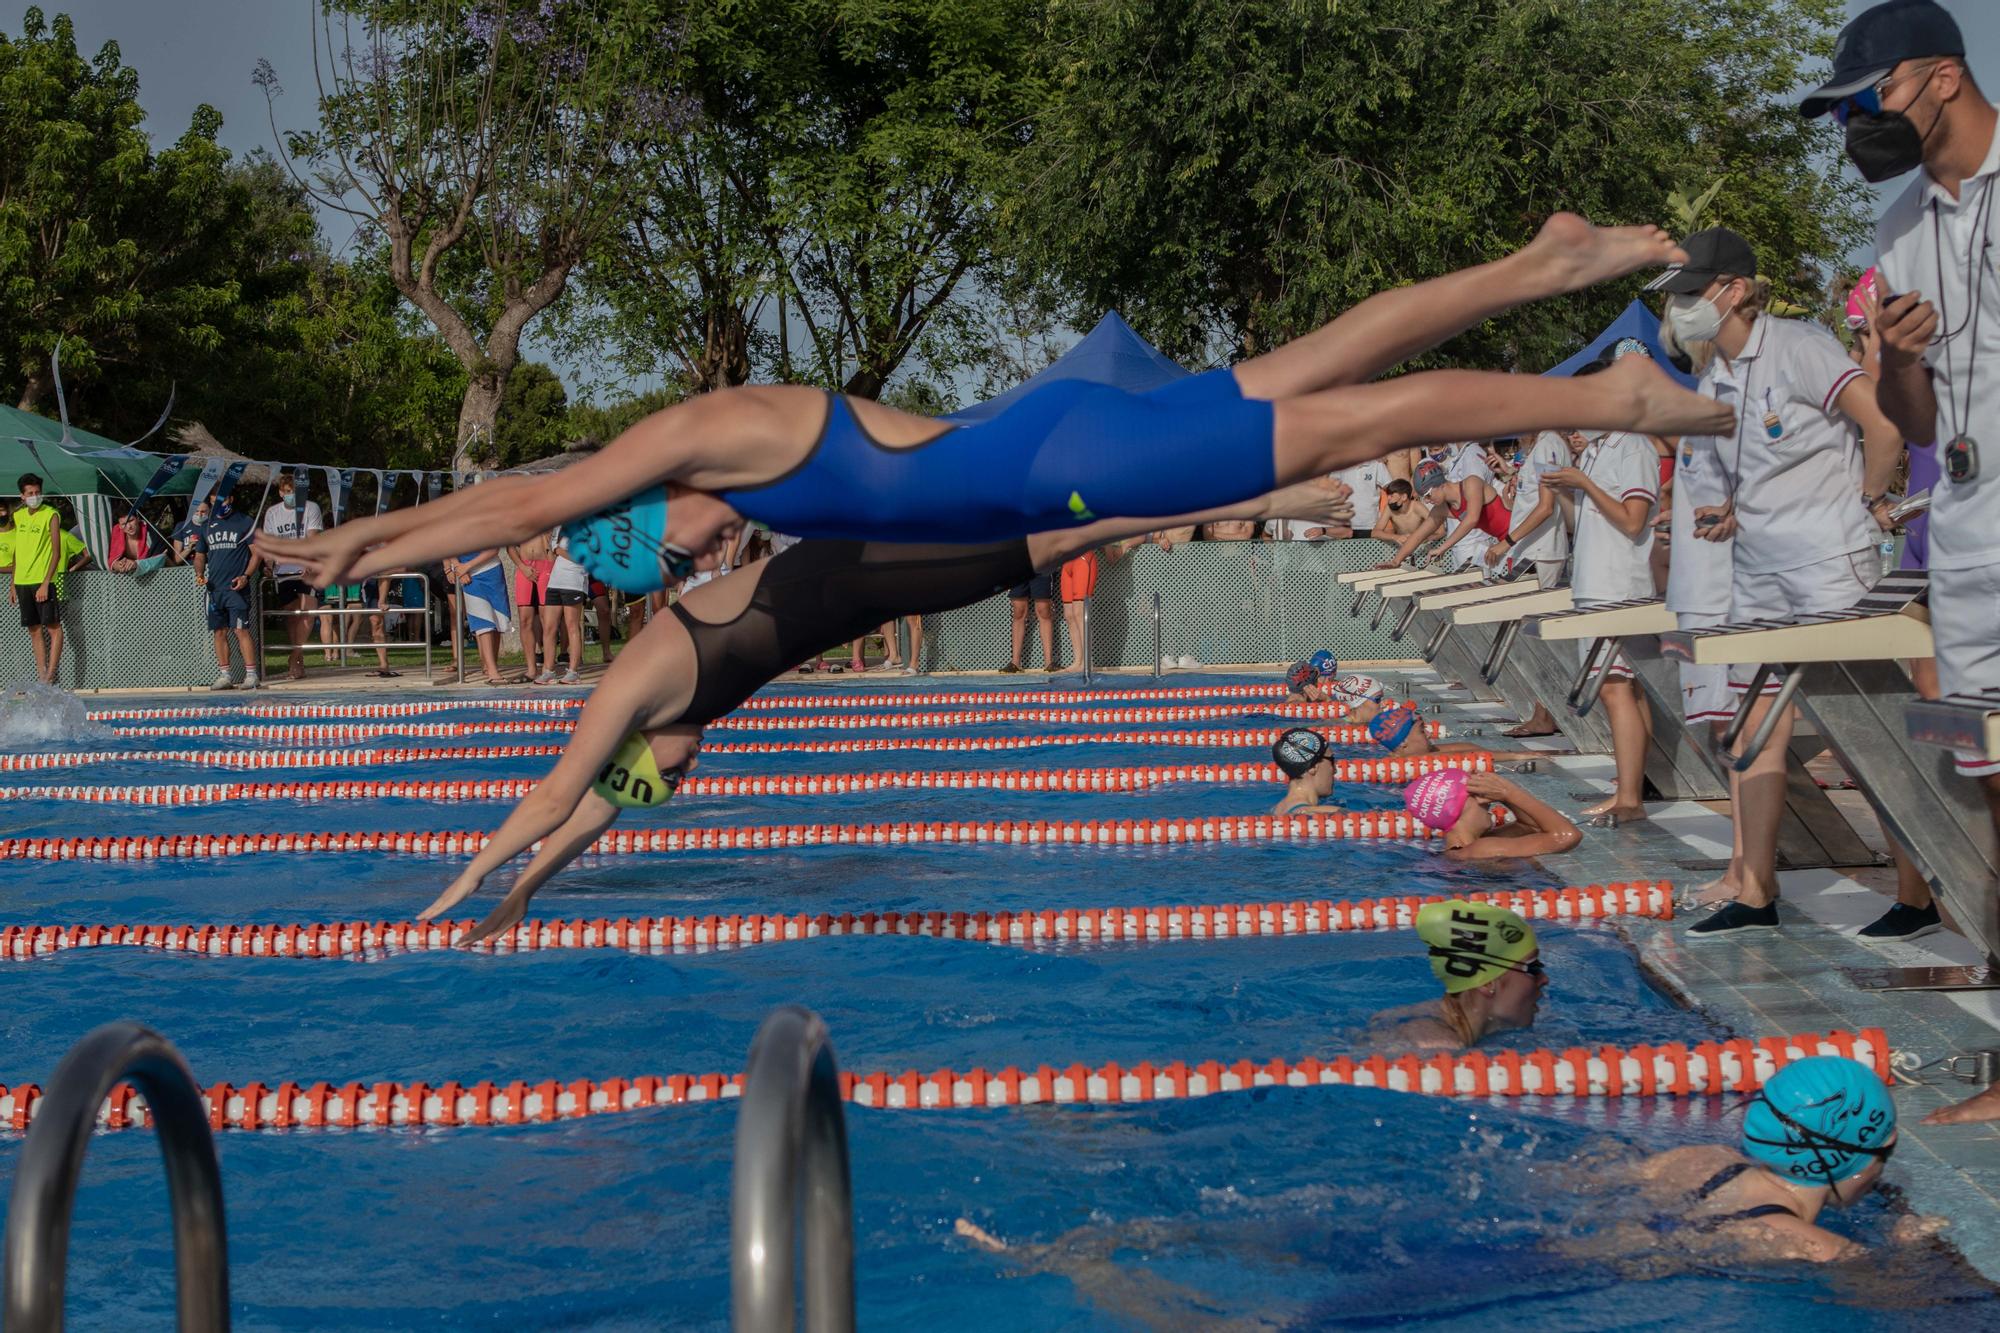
(123, 255)
(488, 144)
(533, 416)
(1231, 175)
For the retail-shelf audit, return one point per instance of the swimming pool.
(1300, 1207)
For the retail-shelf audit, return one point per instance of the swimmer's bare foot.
(1984, 1106)
(1612, 812)
(1571, 254)
(979, 1236)
(1658, 406)
(1321, 501)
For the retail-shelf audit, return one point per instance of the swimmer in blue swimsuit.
(667, 495)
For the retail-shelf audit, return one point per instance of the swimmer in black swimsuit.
(726, 639)
(1818, 1135)
(669, 493)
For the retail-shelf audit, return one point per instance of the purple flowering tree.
(488, 145)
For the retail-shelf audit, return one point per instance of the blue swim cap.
(626, 545)
(1820, 1120)
(1322, 662)
(1392, 726)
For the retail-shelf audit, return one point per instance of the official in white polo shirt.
(1804, 500)
(1906, 102)
(1366, 481)
(1616, 481)
(1538, 536)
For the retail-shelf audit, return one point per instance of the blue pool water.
(1296, 1208)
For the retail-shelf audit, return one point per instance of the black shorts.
(35, 614)
(1040, 588)
(228, 608)
(565, 597)
(291, 590)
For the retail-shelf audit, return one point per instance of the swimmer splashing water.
(663, 498)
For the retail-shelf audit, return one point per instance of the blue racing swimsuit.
(1070, 452)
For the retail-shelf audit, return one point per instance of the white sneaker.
(223, 682)
(249, 680)
(1168, 664)
(1189, 664)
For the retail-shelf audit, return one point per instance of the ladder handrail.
(44, 1195)
(790, 1117)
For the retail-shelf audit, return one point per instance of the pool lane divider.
(1326, 825)
(687, 934)
(1090, 780)
(299, 731)
(762, 702)
(1669, 1069)
(31, 763)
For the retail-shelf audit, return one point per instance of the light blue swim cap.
(623, 545)
(1820, 1120)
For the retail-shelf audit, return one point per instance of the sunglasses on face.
(1868, 101)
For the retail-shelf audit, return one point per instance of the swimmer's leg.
(1324, 432)
(1390, 327)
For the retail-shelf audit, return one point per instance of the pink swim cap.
(1857, 318)
(1437, 799)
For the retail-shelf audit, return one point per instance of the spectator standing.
(894, 661)
(1908, 102)
(293, 516)
(1041, 592)
(1366, 481)
(38, 560)
(532, 564)
(1616, 478)
(1804, 505)
(226, 563)
(181, 539)
(483, 585)
(1078, 583)
(7, 545)
(569, 590)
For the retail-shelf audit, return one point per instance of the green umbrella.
(91, 465)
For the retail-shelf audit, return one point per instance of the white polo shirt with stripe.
(1699, 573)
(1942, 247)
(1551, 540)
(1609, 566)
(1798, 496)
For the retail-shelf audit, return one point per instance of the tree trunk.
(34, 391)
(478, 413)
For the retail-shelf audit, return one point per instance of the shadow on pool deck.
(1795, 980)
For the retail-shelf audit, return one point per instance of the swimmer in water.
(674, 490)
(1308, 682)
(1460, 805)
(640, 732)
(1818, 1136)
(1490, 965)
(1305, 759)
(1396, 730)
(1364, 696)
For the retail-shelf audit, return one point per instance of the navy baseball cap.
(1712, 253)
(1876, 41)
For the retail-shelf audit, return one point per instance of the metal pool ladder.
(790, 1116)
(38, 1214)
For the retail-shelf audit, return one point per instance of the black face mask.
(1885, 145)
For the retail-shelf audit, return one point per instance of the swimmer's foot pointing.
(979, 1236)
(1662, 407)
(1573, 254)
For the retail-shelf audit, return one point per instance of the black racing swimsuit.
(820, 594)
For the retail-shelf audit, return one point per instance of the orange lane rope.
(829, 699)
(1327, 825)
(1669, 1069)
(1138, 778)
(682, 934)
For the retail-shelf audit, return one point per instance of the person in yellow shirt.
(38, 541)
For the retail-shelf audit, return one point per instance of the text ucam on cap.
(1877, 41)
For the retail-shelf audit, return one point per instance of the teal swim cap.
(626, 545)
(1820, 1120)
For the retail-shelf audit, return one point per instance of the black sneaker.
(1902, 922)
(1735, 919)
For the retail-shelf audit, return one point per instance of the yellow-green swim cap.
(1473, 943)
(632, 780)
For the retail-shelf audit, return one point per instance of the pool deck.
(1795, 980)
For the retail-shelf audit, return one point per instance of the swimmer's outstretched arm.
(578, 834)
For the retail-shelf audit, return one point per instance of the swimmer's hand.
(1914, 1228)
(461, 888)
(501, 919)
(329, 557)
(1491, 787)
(979, 1236)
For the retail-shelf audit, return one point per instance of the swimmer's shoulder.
(1414, 1027)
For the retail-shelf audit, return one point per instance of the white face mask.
(32, 501)
(1694, 319)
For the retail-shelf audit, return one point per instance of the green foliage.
(533, 416)
(1232, 174)
(123, 254)
(591, 423)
